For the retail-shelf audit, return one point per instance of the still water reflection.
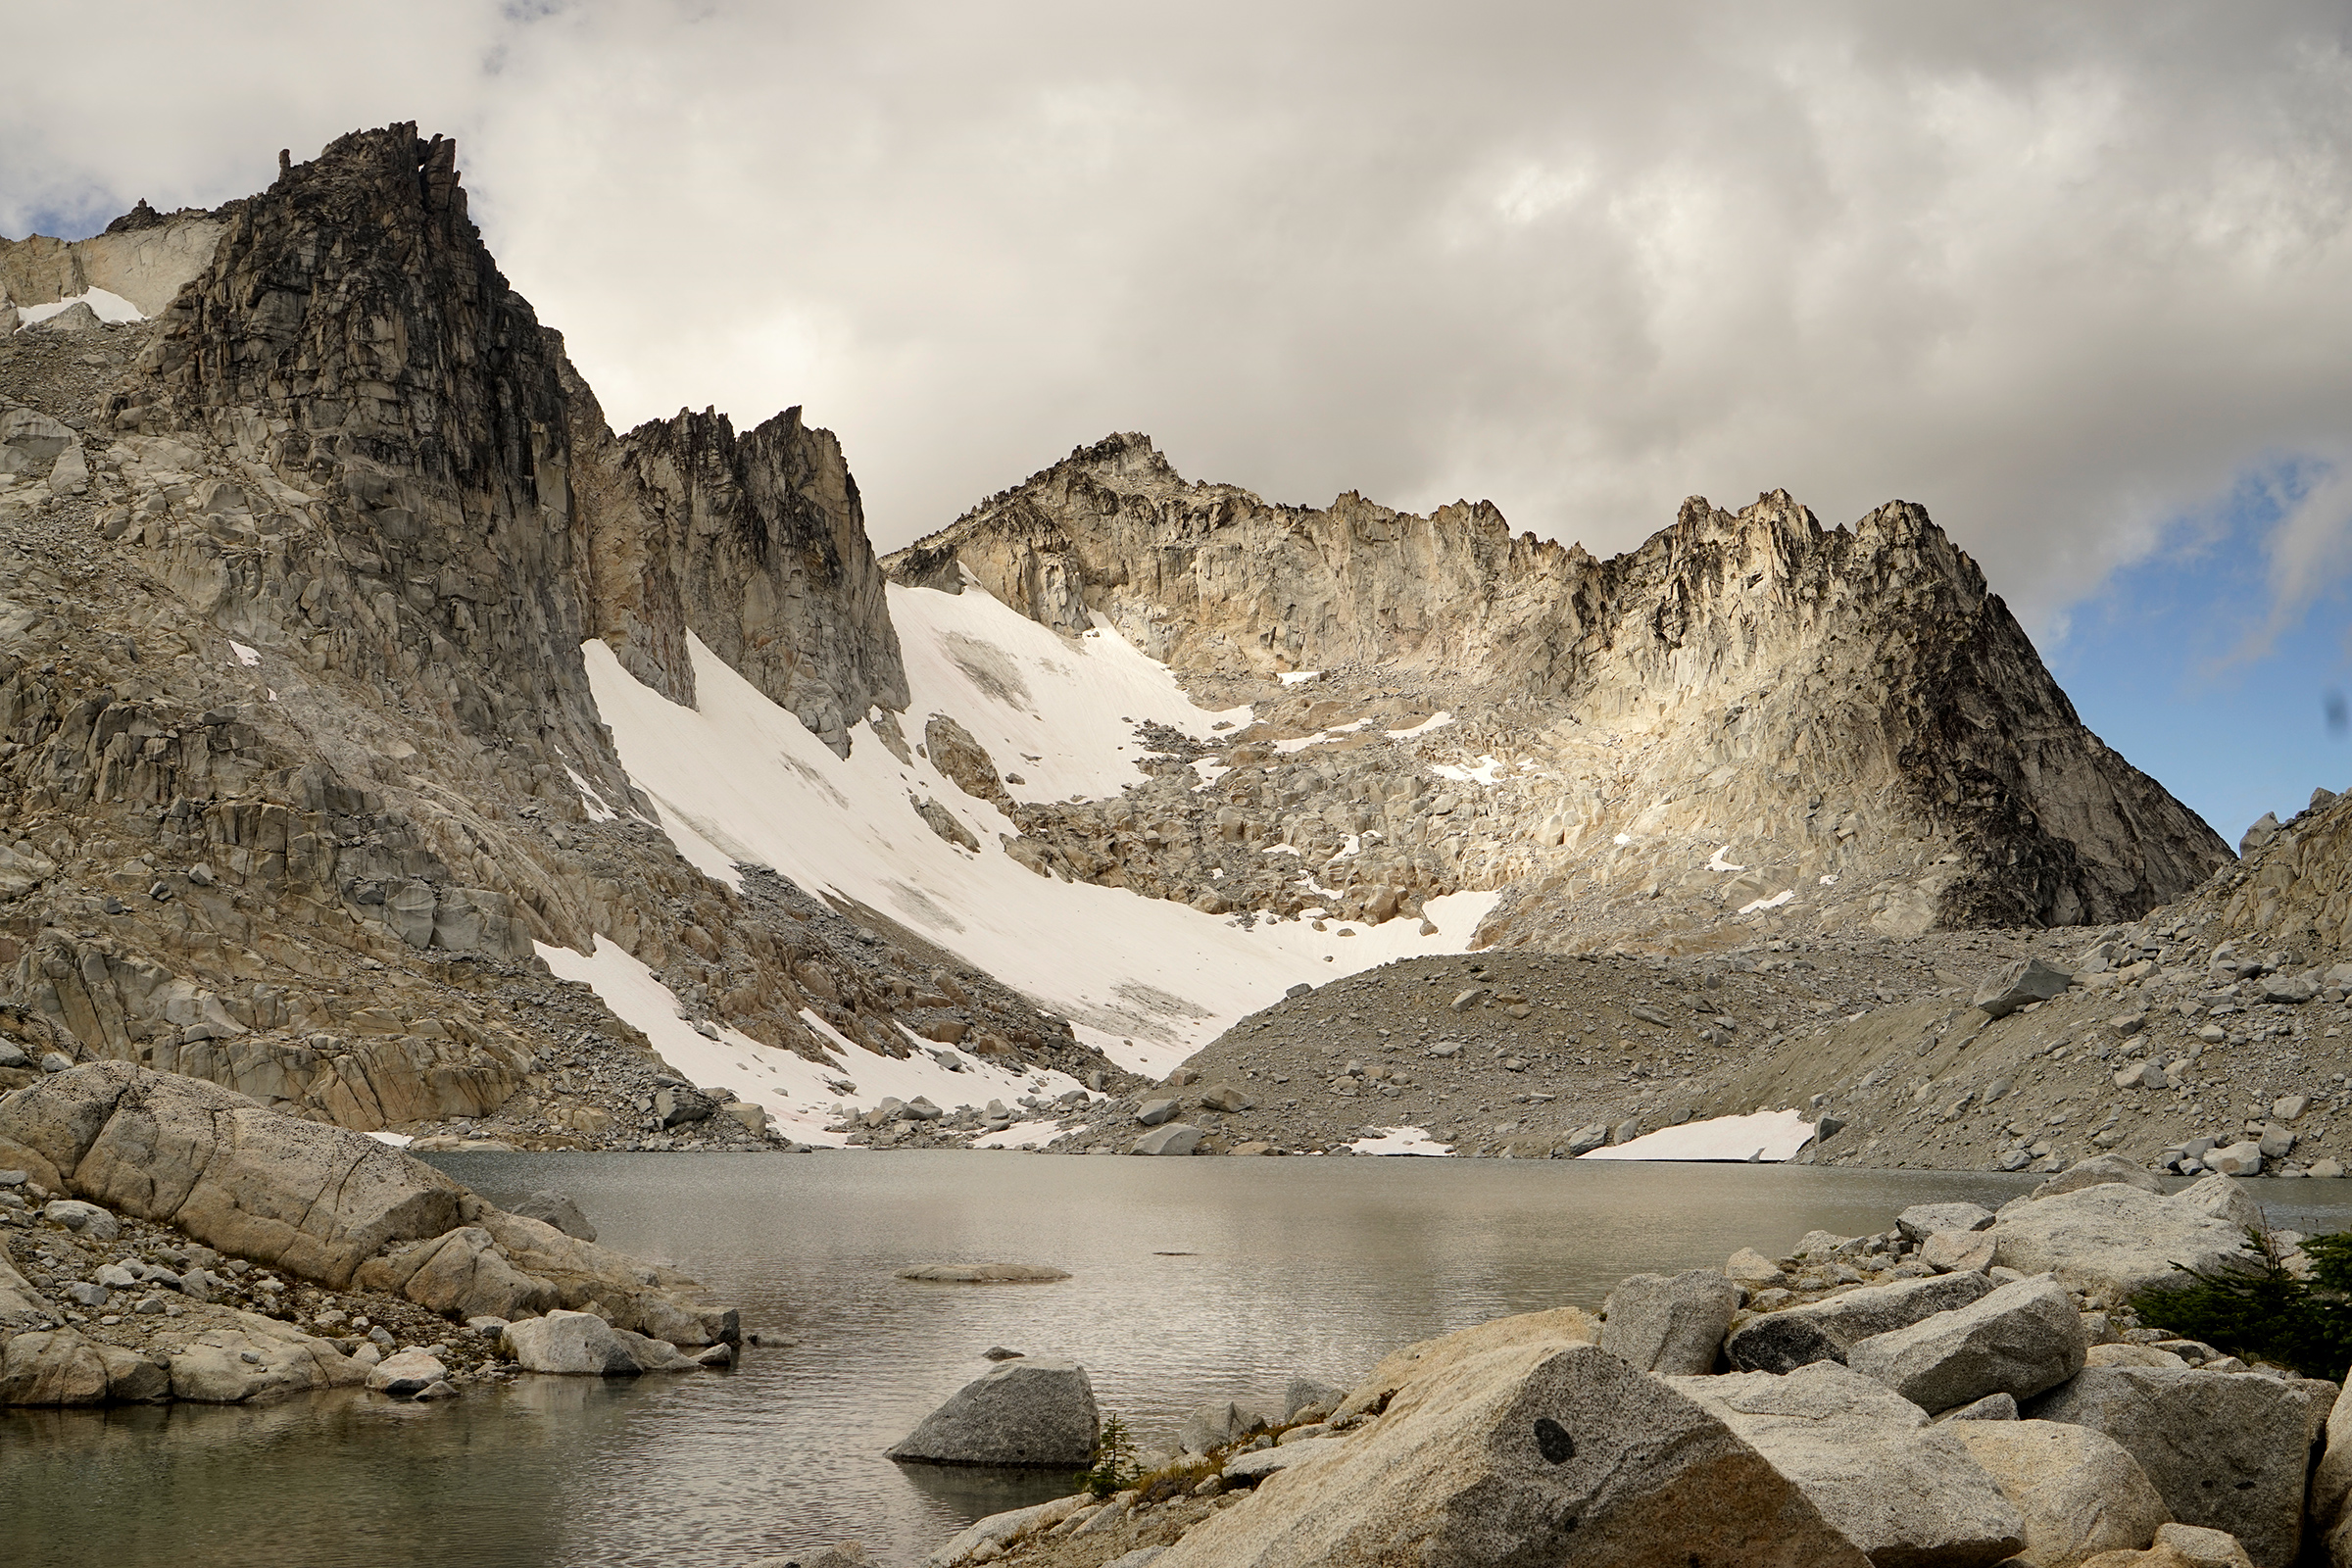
(1192, 1280)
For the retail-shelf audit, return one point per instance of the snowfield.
(1400, 1140)
(1148, 982)
(105, 306)
(1768, 1136)
(800, 1094)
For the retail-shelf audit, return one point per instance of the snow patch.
(1322, 737)
(1054, 709)
(1434, 721)
(1771, 1136)
(1487, 772)
(1773, 903)
(105, 306)
(1717, 863)
(1210, 770)
(1299, 677)
(594, 804)
(798, 1094)
(250, 658)
(739, 780)
(1401, 1141)
(1021, 1135)
(396, 1140)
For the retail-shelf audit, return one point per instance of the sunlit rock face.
(1745, 707)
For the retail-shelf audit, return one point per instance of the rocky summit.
(386, 738)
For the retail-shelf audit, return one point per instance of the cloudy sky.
(2077, 278)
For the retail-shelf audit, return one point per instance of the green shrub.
(2256, 1308)
(1114, 1462)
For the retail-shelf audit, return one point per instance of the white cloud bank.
(2058, 272)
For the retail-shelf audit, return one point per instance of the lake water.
(1194, 1280)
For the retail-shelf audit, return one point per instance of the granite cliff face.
(1850, 716)
(298, 749)
(754, 543)
(145, 257)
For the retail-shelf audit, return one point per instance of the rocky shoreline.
(1966, 1388)
(161, 1238)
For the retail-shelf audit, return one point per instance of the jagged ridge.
(1765, 671)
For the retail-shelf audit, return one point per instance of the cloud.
(2060, 273)
(2309, 550)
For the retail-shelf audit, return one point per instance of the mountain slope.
(384, 735)
(304, 762)
(1744, 707)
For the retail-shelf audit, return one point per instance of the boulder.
(2196, 1547)
(1175, 1138)
(406, 1375)
(1217, 1425)
(2226, 1450)
(1822, 1331)
(2019, 1340)
(569, 1344)
(675, 1107)
(254, 1358)
(75, 318)
(2222, 1197)
(556, 1209)
(61, 1368)
(460, 1274)
(2179, 1545)
(1156, 1111)
(20, 1302)
(2112, 1240)
(2242, 1159)
(85, 1220)
(2331, 1485)
(1669, 1323)
(2077, 1490)
(1992, 1407)
(1026, 1413)
(1957, 1252)
(1901, 1491)
(1424, 1358)
(55, 1366)
(659, 1356)
(1528, 1452)
(1922, 1220)
(1225, 1096)
(2098, 1171)
(1309, 1393)
(2020, 984)
(312, 1199)
(1749, 1267)
(633, 1293)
